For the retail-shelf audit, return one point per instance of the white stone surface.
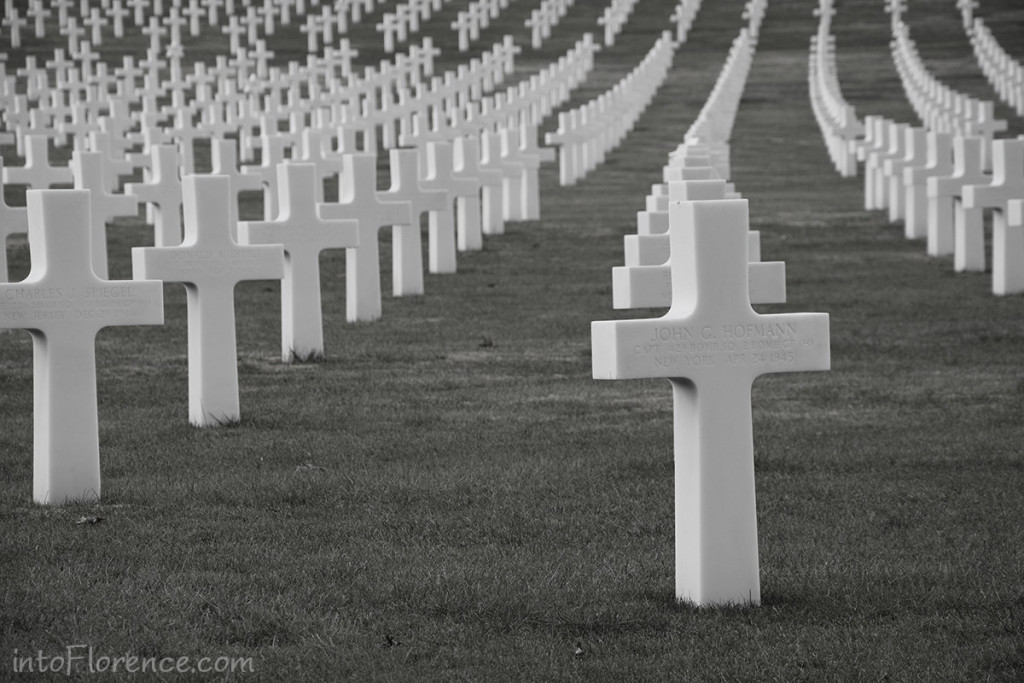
(304, 235)
(209, 263)
(63, 304)
(711, 345)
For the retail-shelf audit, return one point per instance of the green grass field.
(450, 496)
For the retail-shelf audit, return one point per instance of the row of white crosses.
(837, 119)
(221, 115)
(937, 184)
(614, 18)
(242, 16)
(543, 19)
(695, 254)
(587, 133)
(477, 16)
(941, 108)
(208, 260)
(406, 20)
(683, 16)
(1005, 73)
(935, 178)
(564, 75)
(715, 121)
(694, 171)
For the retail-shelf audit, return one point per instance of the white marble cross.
(63, 305)
(938, 162)
(948, 222)
(466, 164)
(711, 345)
(1007, 240)
(37, 173)
(915, 154)
(87, 168)
(359, 199)
(163, 190)
(407, 241)
(437, 171)
(304, 235)
(210, 264)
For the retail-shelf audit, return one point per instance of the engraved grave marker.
(63, 305)
(711, 345)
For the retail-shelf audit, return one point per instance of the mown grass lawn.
(449, 495)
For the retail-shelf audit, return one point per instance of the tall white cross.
(407, 242)
(63, 305)
(359, 199)
(164, 192)
(711, 345)
(210, 264)
(304, 234)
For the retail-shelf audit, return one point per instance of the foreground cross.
(63, 305)
(210, 264)
(711, 345)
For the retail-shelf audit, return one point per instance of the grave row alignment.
(466, 184)
(695, 254)
(938, 179)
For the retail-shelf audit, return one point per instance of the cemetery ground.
(448, 494)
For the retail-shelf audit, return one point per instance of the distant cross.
(96, 22)
(407, 241)
(711, 345)
(15, 23)
(39, 15)
(466, 151)
(948, 222)
(493, 207)
(164, 191)
(225, 163)
(938, 162)
(273, 148)
(304, 234)
(360, 200)
(210, 263)
(63, 304)
(437, 170)
(87, 168)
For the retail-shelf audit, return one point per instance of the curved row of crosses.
(1004, 72)
(940, 178)
(587, 133)
(836, 118)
